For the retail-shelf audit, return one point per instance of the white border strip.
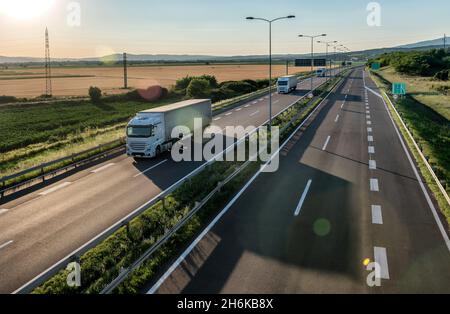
(419, 179)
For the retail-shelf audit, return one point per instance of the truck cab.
(287, 84)
(321, 72)
(145, 136)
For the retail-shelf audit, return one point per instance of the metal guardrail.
(76, 255)
(126, 272)
(41, 168)
(422, 156)
(42, 174)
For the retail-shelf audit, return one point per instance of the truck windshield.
(282, 83)
(140, 131)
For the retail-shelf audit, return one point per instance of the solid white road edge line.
(151, 168)
(6, 244)
(188, 251)
(419, 179)
(380, 254)
(377, 215)
(55, 188)
(162, 193)
(103, 168)
(374, 185)
(303, 198)
(3, 211)
(326, 143)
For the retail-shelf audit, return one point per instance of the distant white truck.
(287, 84)
(321, 72)
(150, 132)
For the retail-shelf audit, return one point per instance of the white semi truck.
(287, 84)
(321, 72)
(151, 132)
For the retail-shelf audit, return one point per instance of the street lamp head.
(291, 16)
(250, 18)
(323, 35)
(301, 35)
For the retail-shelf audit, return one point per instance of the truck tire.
(158, 151)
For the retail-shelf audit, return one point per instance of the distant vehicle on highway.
(150, 132)
(321, 72)
(287, 84)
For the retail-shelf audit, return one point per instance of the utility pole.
(312, 56)
(445, 41)
(270, 57)
(287, 67)
(125, 71)
(48, 69)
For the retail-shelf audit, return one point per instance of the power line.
(125, 71)
(48, 69)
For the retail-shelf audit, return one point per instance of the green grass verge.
(431, 133)
(102, 264)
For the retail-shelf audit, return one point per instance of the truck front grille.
(137, 147)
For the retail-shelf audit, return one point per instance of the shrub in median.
(95, 94)
(198, 88)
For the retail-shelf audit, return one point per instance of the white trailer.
(287, 84)
(150, 132)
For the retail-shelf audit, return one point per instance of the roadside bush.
(442, 75)
(240, 87)
(251, 82)
(183, 83)
(423, 63)
(7, 99)
(211, 80)
(198, 88)
(220, 94)
(263, 83)
(443, 89)
(95, 94)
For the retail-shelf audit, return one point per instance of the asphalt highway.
(41, 227)
(347, 196)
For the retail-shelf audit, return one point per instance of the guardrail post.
(2, 193)
(43, 174)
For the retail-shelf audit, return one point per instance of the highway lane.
(51, 222)
(345, 192)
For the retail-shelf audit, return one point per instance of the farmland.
(423, 89)
(74, 81)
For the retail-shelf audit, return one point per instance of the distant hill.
(114, 58)
(427, 43)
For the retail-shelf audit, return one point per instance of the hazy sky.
(211, 26)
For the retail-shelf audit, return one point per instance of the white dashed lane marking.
(103, 168)
(377, 215)
(56, 188)
(380, 254)
(374, 185)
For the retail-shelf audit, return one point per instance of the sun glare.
(25, 9)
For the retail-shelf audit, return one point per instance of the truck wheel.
(158, 151)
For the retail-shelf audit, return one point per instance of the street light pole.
(328, 44)
(312, 56)
(270, 57)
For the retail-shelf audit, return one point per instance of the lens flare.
(25, 9)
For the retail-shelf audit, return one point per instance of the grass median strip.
(102, 264)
